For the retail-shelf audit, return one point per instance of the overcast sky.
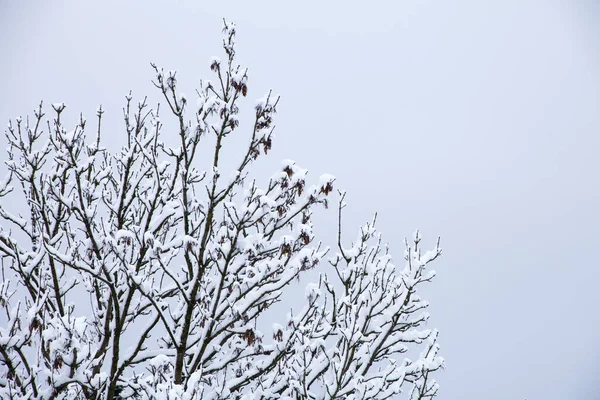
(474, 120)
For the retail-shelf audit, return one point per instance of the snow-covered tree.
(146, 273)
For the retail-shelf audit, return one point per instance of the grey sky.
(476, 121)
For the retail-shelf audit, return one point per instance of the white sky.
(474, 120)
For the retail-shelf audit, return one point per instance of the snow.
(124, 234)
(160, 360)
(312, 291)
(191, 268)
(326, 179)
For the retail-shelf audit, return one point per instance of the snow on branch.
(144, 273)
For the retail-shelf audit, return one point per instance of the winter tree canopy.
(146, 273)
